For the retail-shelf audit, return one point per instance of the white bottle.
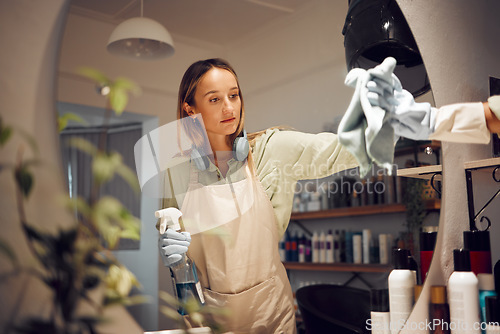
(322, 247)
(329, 247)
(463, 296)
(367, 237)
(401, 283)
(357, 248)
(383, 248)
(314, 203)
(301, 245)
(315, 247)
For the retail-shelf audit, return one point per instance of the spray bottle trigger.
(169, 217)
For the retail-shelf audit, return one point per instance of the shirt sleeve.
(461, 123)
(494, 104)
(282, 158)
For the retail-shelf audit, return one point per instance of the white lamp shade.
(141, 38)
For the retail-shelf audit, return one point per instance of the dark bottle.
(427, 244)
(379, 311)
(478, 244)
(414, 267)
(492, 315)
(439, 311)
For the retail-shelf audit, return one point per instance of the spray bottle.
(183, 272)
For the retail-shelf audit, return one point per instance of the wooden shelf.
(424, 172)
(484, 163)
(360, 211)
(345, 267)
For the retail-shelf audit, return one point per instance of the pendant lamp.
(376, 29)
(141, 38)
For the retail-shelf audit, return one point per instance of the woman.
(241, 270)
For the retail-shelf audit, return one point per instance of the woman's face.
(218, 101)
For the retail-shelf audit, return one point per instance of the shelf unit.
(343, 267)
(484, 165)
(360, 211)
(424, 172)
(481, 164)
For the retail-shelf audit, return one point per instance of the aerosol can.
(183, 272)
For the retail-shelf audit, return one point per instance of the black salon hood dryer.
(376, 29)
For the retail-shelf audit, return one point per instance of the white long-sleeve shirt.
(464, 122)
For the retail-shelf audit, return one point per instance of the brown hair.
(189, 84)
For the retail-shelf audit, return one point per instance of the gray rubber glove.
(365, 130)
(173, 245)
(408, 118)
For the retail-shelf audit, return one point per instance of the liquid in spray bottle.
(183, 272)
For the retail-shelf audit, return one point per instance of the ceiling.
(213, 21)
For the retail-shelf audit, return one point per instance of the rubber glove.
(409, 119)
(365, 130)
(173, 245)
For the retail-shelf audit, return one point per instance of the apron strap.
(193, 174)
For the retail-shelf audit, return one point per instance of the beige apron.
(238, 262)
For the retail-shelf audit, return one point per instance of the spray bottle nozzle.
(169, 218)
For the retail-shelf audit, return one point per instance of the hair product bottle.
(357, 248)
(463, 295)
(379, 314)
(478, 244)
(427, 244)
(492, 315)
(322, 247)
(439, 311)
(366, 239)
(401, 286)
(413, 267)
(417, 291)
(315, 247)
(486, 285)
(329, 247)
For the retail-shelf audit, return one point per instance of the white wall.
(294, 74)
(32, 31)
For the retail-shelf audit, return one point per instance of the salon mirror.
(290, 60)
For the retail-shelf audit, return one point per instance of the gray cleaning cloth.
(366, 130)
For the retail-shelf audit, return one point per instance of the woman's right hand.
(173, 245)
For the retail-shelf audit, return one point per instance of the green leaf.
(103, 168)
(93, 74)
(129, 176)
(78, 204)
(64, 119)
(5, 133)
(24, 180)
(137, 299)
(83, 145)
(126, 85)
(118, 99)
(169, 299)
(171, 313)
(130, 234)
